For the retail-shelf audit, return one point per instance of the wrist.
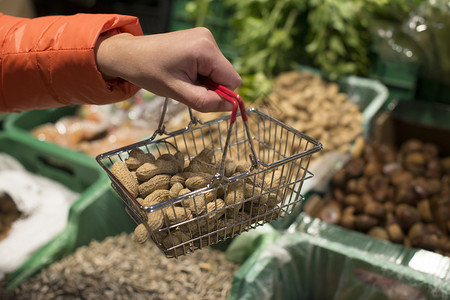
(107, 54)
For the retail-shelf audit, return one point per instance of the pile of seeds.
(119, 268)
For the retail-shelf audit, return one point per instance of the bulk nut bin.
(350, 264)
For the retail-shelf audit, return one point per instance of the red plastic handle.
(228, 95)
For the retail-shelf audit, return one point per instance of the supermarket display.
(330, 185)
(42, 205)
(94, 129)
(118, 268)
(400, 195)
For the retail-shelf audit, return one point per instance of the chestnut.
(351, 200)
(415, 162)
(424, 209)
(354, 167)
(372, 168)
(339, 178)
(411, 145)
(399, 177)
(375, 209)
(406, 215)
(395, 233)
(330, 213)
(348, 221)
(379, 233)
(364, 222)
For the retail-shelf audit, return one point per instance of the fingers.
(201, 99)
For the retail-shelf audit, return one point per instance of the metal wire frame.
(278, 147)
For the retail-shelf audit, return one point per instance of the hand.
(168, 65)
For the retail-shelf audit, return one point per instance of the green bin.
(96, 214)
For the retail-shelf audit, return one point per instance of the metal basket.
(278, 156)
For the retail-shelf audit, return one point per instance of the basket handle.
(236, 100)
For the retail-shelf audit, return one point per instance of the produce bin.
(315, 260)
(369, 94)
(97, 213)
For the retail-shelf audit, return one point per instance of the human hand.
(168, 65)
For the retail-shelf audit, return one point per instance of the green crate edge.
(98, 195)
(333, 242)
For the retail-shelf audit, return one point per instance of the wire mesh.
(267, 193)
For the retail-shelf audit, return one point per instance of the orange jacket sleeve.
(50, 62)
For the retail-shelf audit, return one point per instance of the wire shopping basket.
(221, 177)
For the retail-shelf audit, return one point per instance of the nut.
(235, 196)
(406, 215)
(198, 203)
(175, 190)
(199, 166)
(140, 234)
(179, 158)
(198, 181)
(214, 209)
(176, 214)
(157, 196)
(157, 182)
(395, 233)
(121, 172)
(175, 239)
(165, 164)
(137, 158)
(378, 233)
(155, 220)
(234, 225)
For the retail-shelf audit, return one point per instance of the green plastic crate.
(97, 213)
(314, 260)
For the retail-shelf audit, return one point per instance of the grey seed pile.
(118, 268)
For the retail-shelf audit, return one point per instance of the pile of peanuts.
(226, 209)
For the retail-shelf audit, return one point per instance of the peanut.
(198, 226)
(176, 214)
(174, 239)
(175, 190)
(214, 209)
(199, 166)
(235, 197)
(180, 177)
(206, 155)
(165, 164)
(157, 196)
(120, 171)
(198, 203)
(274, 180)
(140, 234)
(155, 220)
(232, 226)
(198, 181)
(157, 182)
(137, 157)
(179, 157)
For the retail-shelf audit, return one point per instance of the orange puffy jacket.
(49, 61)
